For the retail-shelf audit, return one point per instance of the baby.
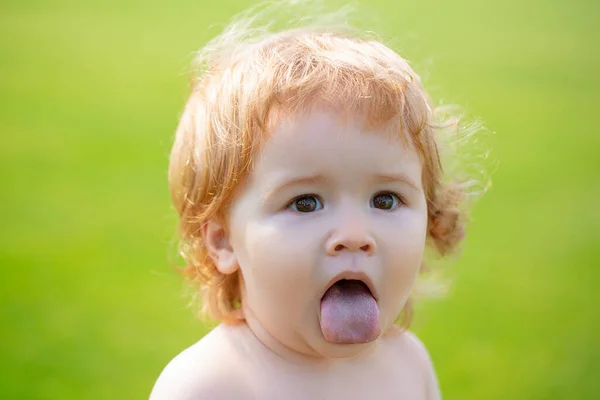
(307, 176)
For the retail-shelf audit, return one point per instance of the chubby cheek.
(402, 263)
(278, 271)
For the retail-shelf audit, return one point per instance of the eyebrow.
(385, 178)
(284, 184)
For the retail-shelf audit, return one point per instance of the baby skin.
(327, 234)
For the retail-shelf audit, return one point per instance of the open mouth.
(349, 313)
(344, 285)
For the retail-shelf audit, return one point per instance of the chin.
(344, 350)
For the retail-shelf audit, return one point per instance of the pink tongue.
(349, 313)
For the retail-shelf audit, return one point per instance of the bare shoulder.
(209, 369)
(410, 347)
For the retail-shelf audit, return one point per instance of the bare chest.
(393, 381)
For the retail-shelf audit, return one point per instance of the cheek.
(277, 265)
(404, 256)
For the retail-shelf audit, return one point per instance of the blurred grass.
(90, 95)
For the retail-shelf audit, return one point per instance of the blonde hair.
(242, 77)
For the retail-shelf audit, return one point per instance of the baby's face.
(328, 201)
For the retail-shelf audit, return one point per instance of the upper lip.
(353, 275)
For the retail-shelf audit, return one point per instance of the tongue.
(349, 313)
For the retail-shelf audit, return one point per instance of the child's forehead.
(308, 138)
(332, 120)
(317, 147)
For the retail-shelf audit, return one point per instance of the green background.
(90, 306)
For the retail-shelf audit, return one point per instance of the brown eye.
(306, 204)
(385, 201)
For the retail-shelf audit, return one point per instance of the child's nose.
(352, 235)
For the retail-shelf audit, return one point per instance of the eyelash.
(295, 199)
(400, 199)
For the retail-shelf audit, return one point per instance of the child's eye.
(385, 201)
(306, 204)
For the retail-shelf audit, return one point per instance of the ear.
(219, 249)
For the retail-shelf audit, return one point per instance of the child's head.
(302, 157)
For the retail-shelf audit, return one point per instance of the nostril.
(366, 248)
